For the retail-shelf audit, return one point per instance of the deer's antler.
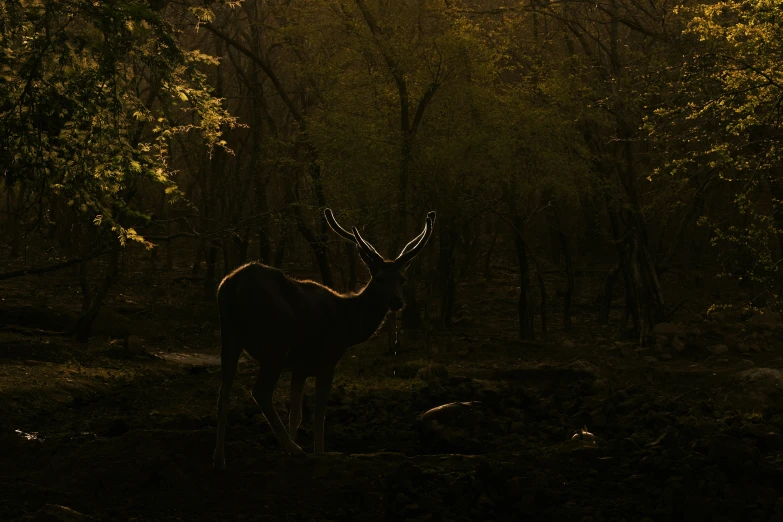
(414, 247)
(340, 231)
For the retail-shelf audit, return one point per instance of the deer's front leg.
(323, 385)
(297, 394)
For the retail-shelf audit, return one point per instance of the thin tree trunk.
(606, 303)
(542, 290)
(488, 259)
(526, 332)
(197, 261)
(90, 312)
(169, 248)
(569, 292)
(446, 268)
(280, 251)
(209, 280)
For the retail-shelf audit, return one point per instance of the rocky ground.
(688, 428)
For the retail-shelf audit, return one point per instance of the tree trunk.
(280, 252)
(209, 280)
(542, 290)
(90, 311)
(606, 303)
(197, 261)
(569, 291)
(525, 317)
(169, 247)
(488, 259)
(411, 315)
(446, 268)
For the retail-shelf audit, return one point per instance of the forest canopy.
(638, 136)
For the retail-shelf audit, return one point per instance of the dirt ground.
(683, 430)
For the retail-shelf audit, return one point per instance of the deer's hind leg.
(268, 374)
(297, 394)
(323, 384)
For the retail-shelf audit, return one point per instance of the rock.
(598, 420)
(515, 486)
(694, 332)
(732, 342)
(55, 513)
(764, 320)
(730, 453)
(517, 427)
(662, 340)
(111, 323)
(134, 345)
(763, 385)
(719, 349)
(113, 427)
(696, 343)
(462, 316)
(526, 504)
(568, 344)
(433, 372)
(668, 330)
(746, 364)
(452, 427)
(677, 344)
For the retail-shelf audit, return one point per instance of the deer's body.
(274, 316)
(301, 326)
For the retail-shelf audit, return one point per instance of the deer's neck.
(368, 308)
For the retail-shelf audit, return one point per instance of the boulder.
(135, 345)
(763, 320)
(762, 385)
(452, 428)
(432, 372)
(55, 513)
(667, 330)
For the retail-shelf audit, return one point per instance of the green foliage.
(79, 83)
(727, 119)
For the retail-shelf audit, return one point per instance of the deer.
(303, 327)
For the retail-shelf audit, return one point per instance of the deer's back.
(263, 299)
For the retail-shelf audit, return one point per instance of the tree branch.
(264, 66)
(49, 268)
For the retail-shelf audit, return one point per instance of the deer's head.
(387, 275)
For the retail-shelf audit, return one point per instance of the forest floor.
(689, 429)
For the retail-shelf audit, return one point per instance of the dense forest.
(598, 306)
